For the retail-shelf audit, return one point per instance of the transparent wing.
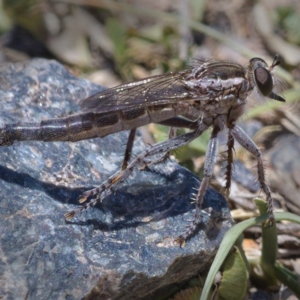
(155, 90)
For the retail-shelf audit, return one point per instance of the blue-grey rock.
(122, 249)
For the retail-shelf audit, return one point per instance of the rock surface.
(122, 249)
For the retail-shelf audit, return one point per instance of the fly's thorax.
(216, 81)
(209, 88)
(222, 104)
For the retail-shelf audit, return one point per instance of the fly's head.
(262, 79)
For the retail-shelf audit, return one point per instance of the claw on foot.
(143, 167)
(225, 191)
(82, 199)
(269, 222)
(70, 215)
(180, 241)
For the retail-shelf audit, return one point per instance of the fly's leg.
(210, 160)
(108, 186)
(249, 145)
(228, 174)
(165, 156)
(174, 123)
(102, 190)
(128, 149)
(180, 122)
(171, 134)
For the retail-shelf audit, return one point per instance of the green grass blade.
(230, 238)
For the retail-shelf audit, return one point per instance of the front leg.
(241, 136)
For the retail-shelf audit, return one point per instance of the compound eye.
(263, 80)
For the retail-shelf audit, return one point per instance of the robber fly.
(211, 93)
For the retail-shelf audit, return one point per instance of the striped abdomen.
(85, 125)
